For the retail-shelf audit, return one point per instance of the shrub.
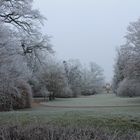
(24, 99)
(18, 96)
(129, 87)
(66, 93)
(88, 92)
(39, 89)
(5, 102)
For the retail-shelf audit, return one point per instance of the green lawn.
(125, 117)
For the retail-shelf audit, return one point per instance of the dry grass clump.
(50, 132)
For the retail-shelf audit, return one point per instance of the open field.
(127, 114)
(93, 117)
(95, 100)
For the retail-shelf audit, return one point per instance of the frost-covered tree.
(20, 14)
(120, 66)
(92, 79)
(127, 67)
(19, 33)
(73, 70)
(13, 70)
(53, 77)
(97, 76)
(25, 21)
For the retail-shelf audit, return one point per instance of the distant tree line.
(126, 81)
(66, 79)
(28, 67)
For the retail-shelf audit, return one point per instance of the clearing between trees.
(73, 117)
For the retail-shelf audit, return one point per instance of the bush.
(129, 87)
(39, 89)
(66, 93)
(17, 97)
(5, 102)
(88, 92)
(24, 99)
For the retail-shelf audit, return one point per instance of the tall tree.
(20, 14)
(127, 67)
(73, 73)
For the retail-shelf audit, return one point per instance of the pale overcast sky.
(88, 30)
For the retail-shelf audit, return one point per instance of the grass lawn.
(96, 100)
(112, 117)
